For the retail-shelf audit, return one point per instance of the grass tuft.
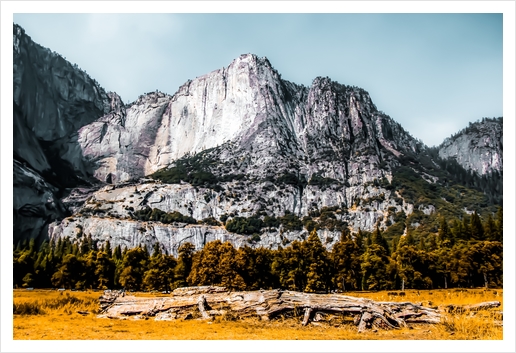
(28, 308)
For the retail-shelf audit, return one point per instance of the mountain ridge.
(231, 147)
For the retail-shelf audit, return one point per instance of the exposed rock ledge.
(129, 233)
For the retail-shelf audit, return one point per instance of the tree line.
(464, 252)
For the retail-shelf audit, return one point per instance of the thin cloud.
(131, 27)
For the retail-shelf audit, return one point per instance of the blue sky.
(433, 73)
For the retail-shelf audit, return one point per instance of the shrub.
(291, 222)
(194, 170)
(243, 225)
(223, 218)
(157, 215)
(210, 221)
(310, 224)
(271, 222)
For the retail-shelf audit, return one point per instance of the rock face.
(236, 142)
(249, 111)
(52, 100)
(108, 214)
(35, 203)
(479, 147)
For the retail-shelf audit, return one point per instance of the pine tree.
(359, 240)
(24, 264)
(160, 272)
(104, 270)
(406, 240)
(377, 238)
(486, 263)
(466, 229)
(184, 265)
(410, 237)
(375, 268)
(117, 253)
(317, 278)
(88, 277)
(134, 265)
(42, 266)
(345, 258)
(477, 230)
(117, 261)
(443, 266)
(107, 249)
(215, 264)
(84, 246)
(458, 230)
(290, 266)
(444, 234)
(499, 225)
(254, 266)
(422, 244)
(205, 265)
(68, 273)
(490, 228)
(412, 267)
(432, 242)
(156, 251)
(394, 244)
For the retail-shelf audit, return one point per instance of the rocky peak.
(478, 147)
(52, 100)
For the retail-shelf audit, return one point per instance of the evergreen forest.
(463, 252)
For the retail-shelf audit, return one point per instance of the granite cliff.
(52, 99)
(478, 147)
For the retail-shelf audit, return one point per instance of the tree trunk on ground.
(471, 307)
(207, 302)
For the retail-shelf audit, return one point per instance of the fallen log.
(471, 307)
(206, 302)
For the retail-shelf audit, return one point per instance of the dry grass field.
(55, 315)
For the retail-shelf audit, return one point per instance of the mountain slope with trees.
(310, 188)
(463, 253)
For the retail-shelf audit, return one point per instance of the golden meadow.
(72, 315)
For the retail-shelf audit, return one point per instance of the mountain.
(52, 99)
(238, 155)
(477, 147)
(245, 110)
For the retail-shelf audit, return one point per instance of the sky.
(432, 73)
